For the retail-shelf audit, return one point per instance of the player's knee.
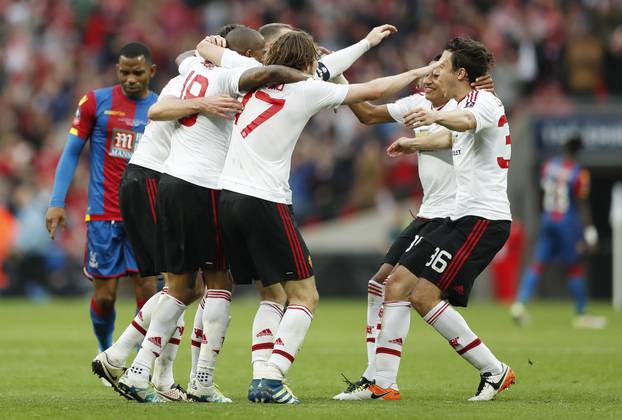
(105, 301)
(306, 295)
(383, 273)
(274, 294)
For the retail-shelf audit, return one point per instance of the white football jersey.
(265, 134)
(199, 145)
(155, 143)
(436, 170)
(481, 160)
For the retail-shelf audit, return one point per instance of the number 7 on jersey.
(275, 106)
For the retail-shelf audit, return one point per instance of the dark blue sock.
(578, 290)
(103, 324)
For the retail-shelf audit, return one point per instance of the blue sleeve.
(65, 170)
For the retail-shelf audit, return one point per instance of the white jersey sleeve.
(172, 88)
(485, 109)
(401, 107)
(231, 59)
(323, 95)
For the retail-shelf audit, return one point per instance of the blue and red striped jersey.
(113, 123)
(564, 182)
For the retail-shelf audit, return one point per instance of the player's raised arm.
(438, 140)
(268, 75)
(172, 108)
(334, 64)
(384, 86)
(212, 48)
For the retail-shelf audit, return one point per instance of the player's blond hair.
(294, 49)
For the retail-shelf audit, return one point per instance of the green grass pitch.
(45, 354)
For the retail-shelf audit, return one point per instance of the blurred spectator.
(55, 50)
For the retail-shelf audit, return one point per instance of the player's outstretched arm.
(55, 216)
(458, 120)
(172, 108)
(269, 75)
(405, 145)
(337, 62)
(384, 86)
(370, 114)
(366, 112)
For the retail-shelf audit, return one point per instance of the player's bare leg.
(496, 376)
(215, 323)
(181, 292)
(144, 288)
(303, 298)
(265, 325)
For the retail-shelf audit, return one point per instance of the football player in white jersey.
(443, 264)
(137, 195)
(262, 239)
(187, 207)
(439, 194)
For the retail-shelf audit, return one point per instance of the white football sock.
(265, 326)
(163, 377)
(196, 337)
(134, 333)
(395, 326)
(163, 323)
(215, 323)
(375, 298)
(289, 338)
(451, 325)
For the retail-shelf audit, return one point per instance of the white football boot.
(490, 385)
(200, 393)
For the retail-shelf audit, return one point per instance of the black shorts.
(453, 255)
(410, 234)
(137, 200)
(262, 240)
(188, 227)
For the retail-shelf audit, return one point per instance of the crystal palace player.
(113, 118)
(566, 233)
(439, 196)
(261, 238)
(443, 264)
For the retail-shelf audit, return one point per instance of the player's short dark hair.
(471, 55)
(136, 49)
(224, 31)
(295, 49)
(573, 145)
(271, 30)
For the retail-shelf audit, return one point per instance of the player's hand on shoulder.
(216, 40)
(379, 33)
(400, 147)
(419, 117)
(484, 83)
(222, 106)
(54, 218)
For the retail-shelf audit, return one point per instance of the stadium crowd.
(55, 51)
